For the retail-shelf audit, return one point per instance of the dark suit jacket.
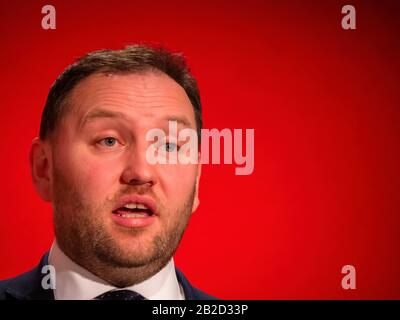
(28, 286)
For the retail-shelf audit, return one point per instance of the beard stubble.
(85, 239)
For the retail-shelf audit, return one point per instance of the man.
(117, 218)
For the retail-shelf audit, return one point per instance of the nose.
(137, 170)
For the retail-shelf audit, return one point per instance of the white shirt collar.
(76, 283)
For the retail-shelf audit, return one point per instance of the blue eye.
(108, 142)
(170, 146)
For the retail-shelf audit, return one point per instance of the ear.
(40, 160)
(196, 201)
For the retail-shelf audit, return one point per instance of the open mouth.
(134, 210)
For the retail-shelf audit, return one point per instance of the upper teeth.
(135, 206)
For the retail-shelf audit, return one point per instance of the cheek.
(178, 180)
(91, 175)
(98, 178)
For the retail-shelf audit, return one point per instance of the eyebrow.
(180, 120)
(99, 114)
(102, 113)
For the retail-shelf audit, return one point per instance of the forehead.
(148, 94)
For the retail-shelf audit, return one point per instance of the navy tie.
(120, 295)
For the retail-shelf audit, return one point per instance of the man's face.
(99, 165)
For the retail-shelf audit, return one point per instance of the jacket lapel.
(28, 286)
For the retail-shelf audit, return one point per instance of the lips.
(135, 211)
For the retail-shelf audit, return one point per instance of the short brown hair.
(131, 59)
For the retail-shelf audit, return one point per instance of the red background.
(324, 103)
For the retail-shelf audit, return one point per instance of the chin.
(136, 247)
